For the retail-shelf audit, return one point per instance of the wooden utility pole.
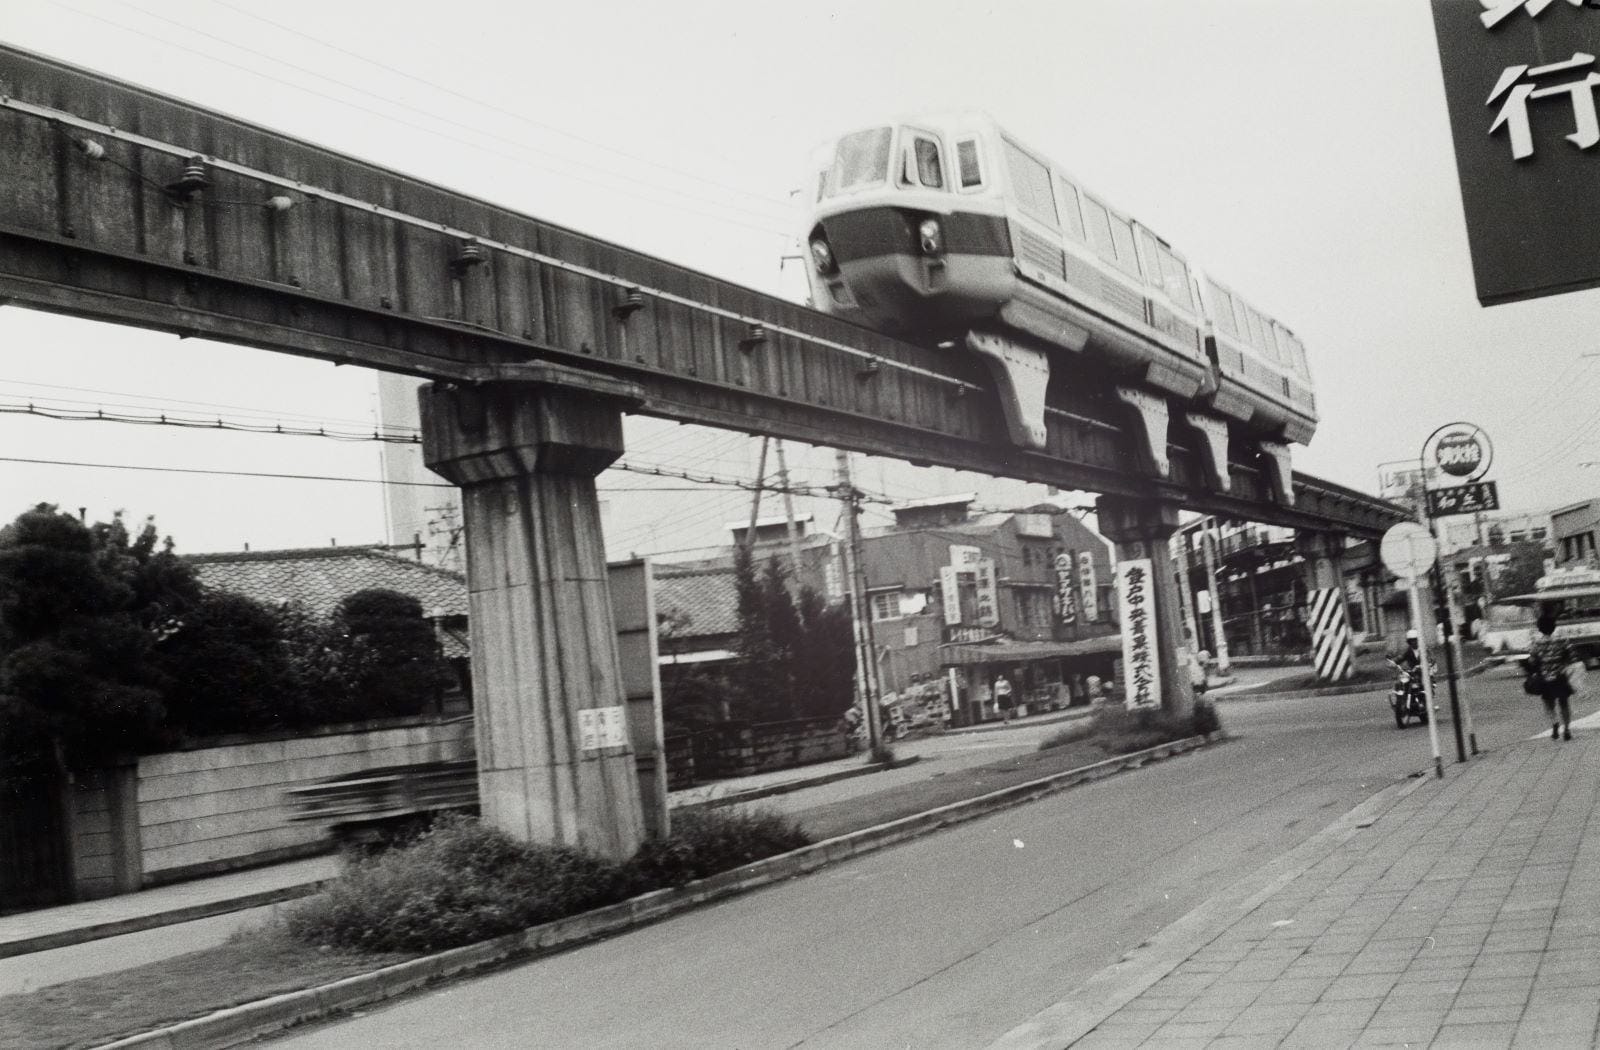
(1208, 552)
(755, 500)
(860, 616)
(788, 517)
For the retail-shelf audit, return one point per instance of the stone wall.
(738, 750)
(221, 805)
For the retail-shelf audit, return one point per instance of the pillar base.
(1141, 530)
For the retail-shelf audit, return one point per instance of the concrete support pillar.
(555, 763)
(1327, 618)
(1143, 528)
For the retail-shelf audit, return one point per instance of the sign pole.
(1415, 587)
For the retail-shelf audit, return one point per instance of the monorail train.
(946, 229)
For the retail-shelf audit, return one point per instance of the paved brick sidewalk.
(1468, 915)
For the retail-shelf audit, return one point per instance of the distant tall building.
(414, 507)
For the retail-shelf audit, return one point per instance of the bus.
(1573, 595)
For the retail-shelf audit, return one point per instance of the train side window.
(967, 161)
(1222, 306)
(1067, 205)
(1122, 237)
(1097, 223)
(1175, 278)
(1030, 184)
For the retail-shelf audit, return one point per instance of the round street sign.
(1408, 550)
(1461, 450)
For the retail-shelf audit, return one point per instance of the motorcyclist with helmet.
(1407, 697)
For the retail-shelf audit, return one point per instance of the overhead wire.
(723, 218)
(449, 121)
(494, 107)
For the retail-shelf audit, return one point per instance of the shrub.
(1119, 731)
(708, 841)
(459, 882)
(462, 881)
(1080, 730)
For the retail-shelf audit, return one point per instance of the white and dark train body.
(947, 230)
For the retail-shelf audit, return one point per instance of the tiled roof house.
(319, 578)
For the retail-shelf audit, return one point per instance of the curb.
(1072, 715)
(1359, 689)
(752, 794)
(240, 1024)
(136, 923)
(1117, 985)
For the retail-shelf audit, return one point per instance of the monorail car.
(947, 229)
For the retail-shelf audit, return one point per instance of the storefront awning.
(1021, 652)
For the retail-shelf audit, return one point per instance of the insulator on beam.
(192, 181)
(632, 302)
(90, 148)
(470, 254)
(756, 336)
(279, 202)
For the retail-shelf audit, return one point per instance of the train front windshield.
(861, 159)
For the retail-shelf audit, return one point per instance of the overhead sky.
(1298, 149)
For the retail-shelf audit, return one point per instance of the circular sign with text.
(1408, 550)
(1461, 450)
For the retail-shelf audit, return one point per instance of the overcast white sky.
(1298, 149)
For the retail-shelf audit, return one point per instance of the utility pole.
(788, 517)
(860, 619)
(1178, 548)
(755, 500)
(1208, 552)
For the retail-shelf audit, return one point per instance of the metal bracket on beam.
(1152, 412)
(1215, 448)
(544, 373)
(1282, 473)
(1021, 375)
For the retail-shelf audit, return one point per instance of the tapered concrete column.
(1323, 556)
(1142, 529)
(554, 760)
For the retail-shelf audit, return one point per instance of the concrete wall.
(218, 807)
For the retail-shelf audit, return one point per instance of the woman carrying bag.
(1548, 658)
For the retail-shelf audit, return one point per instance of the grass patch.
(97, 1010)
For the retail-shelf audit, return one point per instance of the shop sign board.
(1090, 603)
(988, 596)
(1066, 589)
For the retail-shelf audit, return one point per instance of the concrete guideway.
(1457, 912)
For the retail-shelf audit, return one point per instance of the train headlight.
(822, 256)
(930, 237)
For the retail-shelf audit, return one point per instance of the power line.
(513, 114)
(422, 127)
(222, 473)
(163, 399)
(218, 423)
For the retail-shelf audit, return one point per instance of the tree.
(389, 657)
(824, 657)
(1521, 572)
(796, 658)
(78, 682)
(229, 669)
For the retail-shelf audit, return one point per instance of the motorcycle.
(1406, 697)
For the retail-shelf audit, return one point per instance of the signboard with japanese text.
(1463, 499)
(602, 727)
(1141, 667)
(1090, 602)
(964, 557)
(988, 593)
(1520, 78)
(950, 594)
(1066, 589)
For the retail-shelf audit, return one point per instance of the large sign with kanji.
(1141, 666)
(1519, 79)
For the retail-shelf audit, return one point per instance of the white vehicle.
(947, 230)
(1573, 595)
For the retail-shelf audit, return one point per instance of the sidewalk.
(1454, 913)
(46, 928)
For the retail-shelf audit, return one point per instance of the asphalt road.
(950, 940)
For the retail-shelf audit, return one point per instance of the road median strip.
(250, 1021)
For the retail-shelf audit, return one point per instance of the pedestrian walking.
(1548, 661)
(1002, 696)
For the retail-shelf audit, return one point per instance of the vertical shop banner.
(1136, 595)
(1086, 587)
(988, 593)
(1066, 589)
(950, 595)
